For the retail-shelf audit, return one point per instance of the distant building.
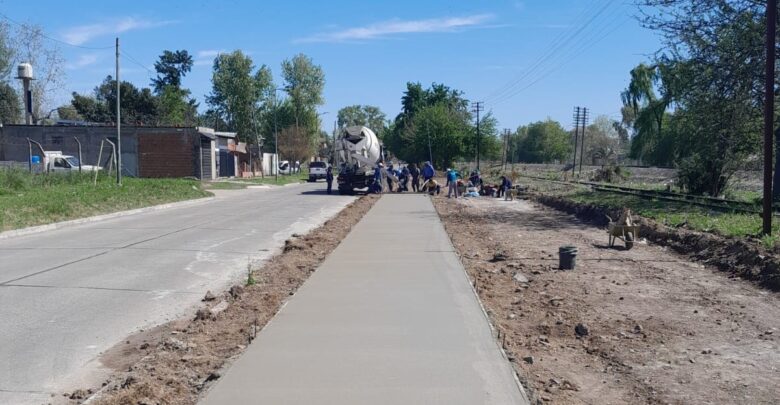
(146, 151)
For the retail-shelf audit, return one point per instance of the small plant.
(769, 241)
(250, 279)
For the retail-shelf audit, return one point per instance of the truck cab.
(59, 163)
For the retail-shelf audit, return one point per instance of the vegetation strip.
(36, 199)
(175, 363)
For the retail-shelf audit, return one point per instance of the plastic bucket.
(567, 257)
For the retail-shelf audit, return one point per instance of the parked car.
(285, 167)
(317, 170)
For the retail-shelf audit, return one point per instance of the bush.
(699, 176)
(610, 174)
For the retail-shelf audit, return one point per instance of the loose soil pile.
(174, 363)
(627, 326)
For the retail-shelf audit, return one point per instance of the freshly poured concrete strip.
(389, 318)
(69, 293)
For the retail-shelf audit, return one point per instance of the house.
(146, 151)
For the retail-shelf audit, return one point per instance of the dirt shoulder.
(655, 327)
(174, 363)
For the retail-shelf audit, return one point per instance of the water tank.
(25, 71)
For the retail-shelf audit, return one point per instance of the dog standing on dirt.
(510, 194)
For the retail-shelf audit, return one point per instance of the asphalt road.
(388, 318)
(69, 294)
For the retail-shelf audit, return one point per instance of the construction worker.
(378, 177)
(415, 173)
(428, 172)
(329, 178)
(452, 182)
(506, 184)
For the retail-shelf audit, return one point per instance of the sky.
(526, 60)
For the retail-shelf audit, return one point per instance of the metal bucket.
(567, 257)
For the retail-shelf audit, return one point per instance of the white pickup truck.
(55, 161)
(317, 170)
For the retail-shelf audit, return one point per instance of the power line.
(51, 38)
(556, 46)
(562, 61)
(135, 61)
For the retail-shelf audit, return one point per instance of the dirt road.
(657, 327)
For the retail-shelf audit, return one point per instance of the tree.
(176, 107)
(6, 51)
(446, 123)
(490, 145)
(712, 50)
(304, 83)
(294, 146)
(68, 112)
(362, 115)
(139, 106)
(602, 142)
(236, 92)
(543, 142)
(171, 68)
(30, 45)
(10, 110)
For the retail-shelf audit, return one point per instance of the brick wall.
(167, 155)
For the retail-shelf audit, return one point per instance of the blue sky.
(527, 60)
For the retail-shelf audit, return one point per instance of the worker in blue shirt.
(428, 172)
(452, 182)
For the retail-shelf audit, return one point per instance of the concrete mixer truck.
(357, 152)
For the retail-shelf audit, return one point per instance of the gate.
(227, 167)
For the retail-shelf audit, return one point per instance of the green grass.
(36, 199)
(677, 214)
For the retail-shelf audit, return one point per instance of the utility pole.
(576, 138)
(769, 111)
(506, 149)
(430, 151)
(584, 118)
(335, 133)
(118, 121)
(477, 107)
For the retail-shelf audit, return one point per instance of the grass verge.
(36, 199)
(677, 215)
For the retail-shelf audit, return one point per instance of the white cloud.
(83, 61)
(82, 34)
(393, 27)
(206, 56)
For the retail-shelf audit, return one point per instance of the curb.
(97, 218)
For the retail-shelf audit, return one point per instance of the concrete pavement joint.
(100, 289)
(109, 251)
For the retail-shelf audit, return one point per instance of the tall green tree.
(139, 106)
(713, 51)
(237, 91)
(176, 106)
(10, 107)
(304, 83)
(171, 67)
(543, 142)
(434, 122)
(365, 115)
